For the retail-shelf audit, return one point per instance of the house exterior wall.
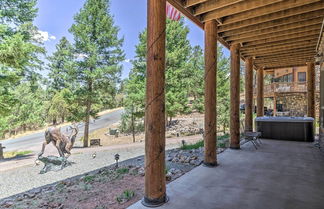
(296, 104)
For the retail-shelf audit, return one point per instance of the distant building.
(285, 91)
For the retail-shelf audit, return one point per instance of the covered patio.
(280, 174)
(265, 35)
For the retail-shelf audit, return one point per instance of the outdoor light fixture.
(117, 158)
(183, 142)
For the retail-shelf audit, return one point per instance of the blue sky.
(55, 17)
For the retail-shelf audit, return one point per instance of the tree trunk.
(87, 119)
(54, 121)
(133, 127)
(63, 119)
(86, 125)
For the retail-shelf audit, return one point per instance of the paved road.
(25, 142)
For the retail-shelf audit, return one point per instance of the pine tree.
(61, 66)
(194, 78)
(98, 68)
(223, 89)
(178, 52)
(134, 90)
(19, 50)
(19, 59)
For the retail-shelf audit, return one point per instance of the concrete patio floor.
(279, 175)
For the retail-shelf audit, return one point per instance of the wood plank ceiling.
(277, 33)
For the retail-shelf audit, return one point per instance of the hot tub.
(286, 128)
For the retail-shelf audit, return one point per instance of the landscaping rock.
(141, 171)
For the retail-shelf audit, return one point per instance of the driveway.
(35, 140)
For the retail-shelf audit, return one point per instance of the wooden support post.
(235, 97)
(1, 151)
(311, 89)
(248, 94)
(260, 96)
(210, 93)
(274, 104)
(155, 189)
(321, 128)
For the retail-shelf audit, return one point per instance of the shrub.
(125, 196)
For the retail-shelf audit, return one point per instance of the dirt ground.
(105, 189)
(194, 120)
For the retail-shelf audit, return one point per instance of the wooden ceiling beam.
(308, 53)
(286, 57)
(216, 5)
(285, 63)
(283, 22)
(280, 42)
(286, 54)
(209, 12)
(283, 66)
(293, 52)
(275, 46)
(281, 6)
(283, 28)
(280, 38)
(190, 3)
(273, 49)
(271, 67)
(282, 45)
(271, 17)
(290, 32)
(302, 57)
(280, 62)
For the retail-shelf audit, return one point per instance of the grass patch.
(87, 179)
(122, 170)
(223, 138)
(125, 196)
(16, 153)
(220, 139)
(192, 146)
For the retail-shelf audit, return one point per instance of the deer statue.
(62, 142)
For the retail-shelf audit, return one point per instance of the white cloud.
(43, 36)
(127, 60)
(81, 56)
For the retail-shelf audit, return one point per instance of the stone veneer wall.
(296, 103)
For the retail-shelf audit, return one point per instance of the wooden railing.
(286, 87)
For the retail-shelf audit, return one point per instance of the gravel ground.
(22, 179)
(102, 187)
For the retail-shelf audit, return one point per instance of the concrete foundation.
(279, 175)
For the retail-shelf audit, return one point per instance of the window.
(286, 78)
(301, 76)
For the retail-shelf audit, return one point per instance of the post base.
(153, 203)
(235, 146)
(210, 165)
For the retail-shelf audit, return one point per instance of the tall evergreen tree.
(194, 78)
(178, 51)
(223, 89)
(61, 66)
(100, 54)
(18, 48)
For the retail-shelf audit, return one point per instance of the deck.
(279, 175)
